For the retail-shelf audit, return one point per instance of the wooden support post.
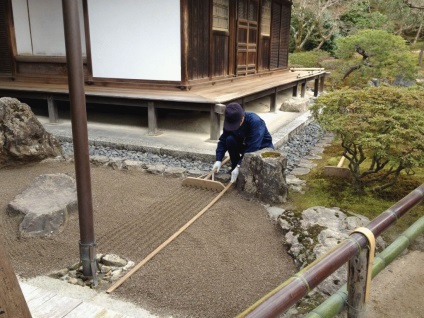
(12, 301)
(303, 89)
(357, 278)
(273, 102)
(53, 112)
(216, 112)
(152, 119)
(243, 103)
(295, 90)
(321, 83)
(316, 87)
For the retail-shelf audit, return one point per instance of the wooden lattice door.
(247, 36)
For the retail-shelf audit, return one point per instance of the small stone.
(113, 260)
(99, 160)
(156, 169)
(174, 172)
(274, 212)
(284, 224)
(61, 272)
(116, 164)
(74, 267)
(105, 269)
(98, 257)
(133, 165)
(129, 265)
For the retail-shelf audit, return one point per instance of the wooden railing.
(353, 250)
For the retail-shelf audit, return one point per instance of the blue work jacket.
(252, 135)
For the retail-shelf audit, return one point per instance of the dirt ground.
(224, 262)
(220, 265)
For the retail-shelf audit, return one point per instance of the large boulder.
(22, 137)
(262, 176)
(296, 105)
(45, 205)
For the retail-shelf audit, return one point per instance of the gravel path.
(297, 147)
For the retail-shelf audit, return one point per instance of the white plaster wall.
(39, 27)
(135, 39)
(22, 30)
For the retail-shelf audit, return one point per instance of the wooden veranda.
(207, 98)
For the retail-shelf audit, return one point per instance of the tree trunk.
(320, 44)
(417, 36)
(301, 45)
(353, 68)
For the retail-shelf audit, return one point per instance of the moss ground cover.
(321, 190)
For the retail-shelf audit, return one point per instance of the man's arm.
(221, 148)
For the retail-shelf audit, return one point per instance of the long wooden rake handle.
(210, 174)
(169, 240)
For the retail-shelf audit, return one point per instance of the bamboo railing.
(295, 288)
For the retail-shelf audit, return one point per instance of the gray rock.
(113, 260)
(174, 172)
(295, 104)
(262, 176)
(293, 180)
(133, 165)
(22, 137)
(274, 212)
(300, 171)
(307, 164)
(116, 164)
(99, 160)
(45, 204)
(156, 169)
(318, 231)
(331, 218)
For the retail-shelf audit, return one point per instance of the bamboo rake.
(169, 240)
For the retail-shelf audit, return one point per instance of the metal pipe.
(287, 294)
(79, 133)
(336, 302)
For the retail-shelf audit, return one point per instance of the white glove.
(216, 166)
(235, 174)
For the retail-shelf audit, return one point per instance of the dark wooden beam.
(316, 87)
(295, 90)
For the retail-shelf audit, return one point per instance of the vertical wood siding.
(275, 35)
(284, 36)
(280, 35)
(5, 53)
(220, 55)
(198, 48)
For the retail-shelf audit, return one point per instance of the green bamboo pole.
(336, 303)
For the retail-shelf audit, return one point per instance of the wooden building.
(184, 54)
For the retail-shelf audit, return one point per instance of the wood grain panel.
(198, 47)
(5, 53)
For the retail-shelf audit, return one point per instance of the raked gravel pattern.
(296, 148)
